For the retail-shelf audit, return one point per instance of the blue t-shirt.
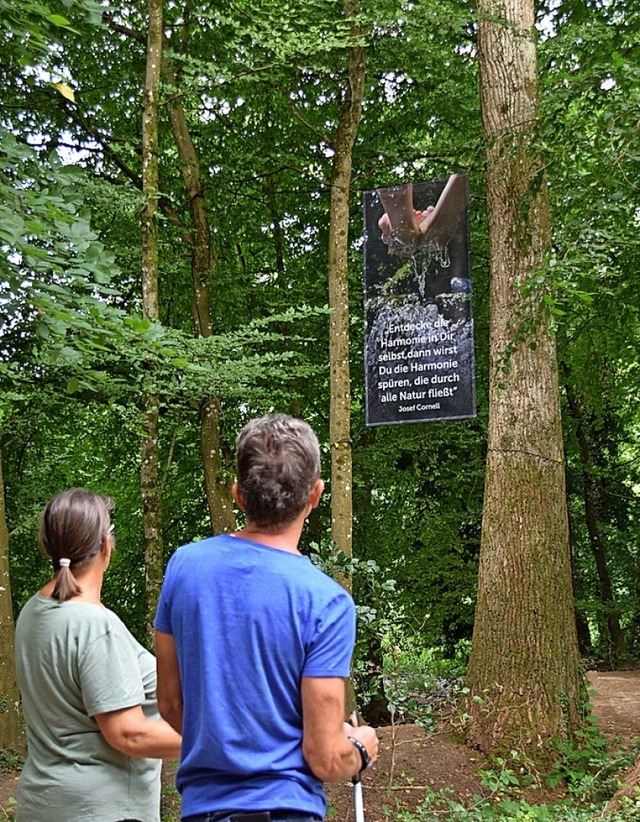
(248, 622)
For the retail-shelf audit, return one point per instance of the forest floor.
(413, 761)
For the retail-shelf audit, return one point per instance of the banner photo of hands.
(419, 349)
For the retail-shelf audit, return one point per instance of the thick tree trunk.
(523, 672)
(217, 489)
(149, 470)
(10, 716)
(340, 402)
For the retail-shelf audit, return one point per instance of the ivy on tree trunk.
(523, 671)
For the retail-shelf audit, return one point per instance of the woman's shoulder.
(68, 624)
(116, 624)
(120, 629)
(43, 606)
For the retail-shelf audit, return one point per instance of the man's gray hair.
(278, 463)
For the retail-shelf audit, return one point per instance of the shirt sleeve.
(162, 621)
(110, 677)
(330, 649)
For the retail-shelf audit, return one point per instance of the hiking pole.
(358, 805)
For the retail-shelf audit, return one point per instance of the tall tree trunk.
(339, 372)
(217, 489)
(614, 641)
(523, 671)
(340, 401)
(583, 631)
(197, 237)
(10, 717)
(149, 469)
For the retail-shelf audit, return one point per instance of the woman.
(95, 738)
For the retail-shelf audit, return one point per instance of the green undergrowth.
(10, 760)
(169, 804)
(585, 776)
(441, 805)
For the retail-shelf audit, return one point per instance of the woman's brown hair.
(73, 527)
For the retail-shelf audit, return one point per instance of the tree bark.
(340, 401)
(217, 489)
(149, 470)
(10, 716)
(523, 671)
(339, 371)
(151, 508)
(217, 486)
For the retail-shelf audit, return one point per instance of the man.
(253, 643)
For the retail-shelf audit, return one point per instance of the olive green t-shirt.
(75, 660)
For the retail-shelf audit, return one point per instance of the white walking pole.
(358, 804)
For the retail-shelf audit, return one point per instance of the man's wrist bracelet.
(364, 755)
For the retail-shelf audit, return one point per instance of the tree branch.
(318, 132)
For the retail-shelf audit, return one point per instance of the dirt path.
(616, 702)
(412, 761)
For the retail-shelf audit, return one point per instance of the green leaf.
(58, 20)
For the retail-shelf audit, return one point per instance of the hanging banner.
(419, 354)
